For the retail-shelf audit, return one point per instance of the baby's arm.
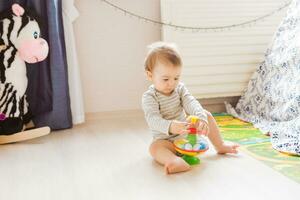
(152, 115)
(156, 122)
(191, 105)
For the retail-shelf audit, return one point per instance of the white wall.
(111, 49)
(220, 64)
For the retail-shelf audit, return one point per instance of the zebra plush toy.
(20, 42)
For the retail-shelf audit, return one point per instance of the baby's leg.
(216, 139)
(164, 153)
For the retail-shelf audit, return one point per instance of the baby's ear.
(149, 75)
(17, 10)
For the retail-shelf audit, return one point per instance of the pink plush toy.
(20, 42)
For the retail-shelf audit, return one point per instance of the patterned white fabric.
(272, 100)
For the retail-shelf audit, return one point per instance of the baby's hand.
(178, 127)
(200, 125)
(203, 128)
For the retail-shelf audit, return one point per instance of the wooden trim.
(114, 114)
(217, 104)
(211, 104)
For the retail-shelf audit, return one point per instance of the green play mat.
(256, 144)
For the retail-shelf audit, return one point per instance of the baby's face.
(165, 77)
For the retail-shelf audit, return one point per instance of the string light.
(197, 28)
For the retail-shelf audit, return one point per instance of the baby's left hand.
(203, 128)
(200, 125)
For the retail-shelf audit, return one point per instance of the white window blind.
(220, 64)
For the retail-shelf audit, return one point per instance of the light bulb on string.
(249, 23)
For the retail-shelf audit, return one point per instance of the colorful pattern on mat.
(258, 145)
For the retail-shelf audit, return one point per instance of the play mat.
(257, 145)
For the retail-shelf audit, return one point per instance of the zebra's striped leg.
(24, 135)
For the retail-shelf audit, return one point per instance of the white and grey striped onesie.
(160, 109)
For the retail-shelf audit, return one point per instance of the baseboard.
(211, 104)
(114, 114)
(217, 104)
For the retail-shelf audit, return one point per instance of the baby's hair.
(163, 52)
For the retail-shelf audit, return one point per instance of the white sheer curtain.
(70, 13)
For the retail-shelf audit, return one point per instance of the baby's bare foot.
(176, 165)
(227, 148)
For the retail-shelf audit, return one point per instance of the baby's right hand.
(178, 127)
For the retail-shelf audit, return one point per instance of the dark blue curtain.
(48, 91)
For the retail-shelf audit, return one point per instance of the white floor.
(107, 158)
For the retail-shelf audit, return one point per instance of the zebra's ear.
(17, 10)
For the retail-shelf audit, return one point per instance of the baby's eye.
(165, 79)
(35, 35)
(176, 79)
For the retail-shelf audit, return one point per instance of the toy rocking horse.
(20, 42)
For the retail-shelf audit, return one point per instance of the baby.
(166, 104)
